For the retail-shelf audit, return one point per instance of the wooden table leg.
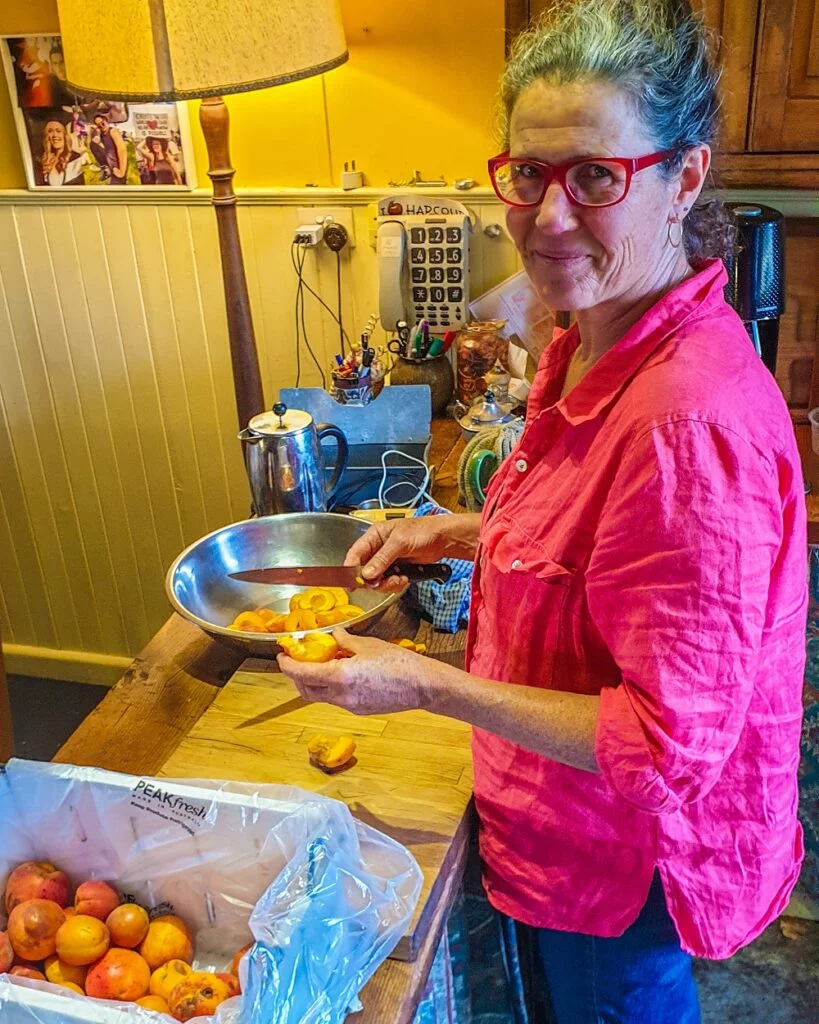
(6, 736)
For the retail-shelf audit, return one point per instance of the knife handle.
(438, 572)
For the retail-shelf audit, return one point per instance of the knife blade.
(347, 576)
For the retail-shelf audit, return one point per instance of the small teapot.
(285, 462)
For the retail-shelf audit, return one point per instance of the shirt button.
(521, 465)
(554, 412)
(517, 564)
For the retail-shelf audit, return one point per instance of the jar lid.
(487, 412)
(281, 421)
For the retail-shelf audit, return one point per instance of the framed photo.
(68, 141)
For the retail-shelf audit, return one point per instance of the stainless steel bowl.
(200, 589)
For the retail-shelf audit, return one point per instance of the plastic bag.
(325, 897)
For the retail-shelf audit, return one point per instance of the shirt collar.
(614, 370)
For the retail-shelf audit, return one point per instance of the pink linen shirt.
(646, 541)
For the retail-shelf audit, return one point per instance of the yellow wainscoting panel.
(117, 420)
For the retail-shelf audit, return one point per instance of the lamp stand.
(247, 380)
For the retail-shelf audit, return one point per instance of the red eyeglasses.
(592, 181)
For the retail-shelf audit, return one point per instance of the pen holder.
(435, 371)
(355, 390)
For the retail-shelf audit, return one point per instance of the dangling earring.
(671, 242)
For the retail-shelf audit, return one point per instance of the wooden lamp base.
(247, 381)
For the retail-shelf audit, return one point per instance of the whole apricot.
(82, 940)
(27, 972)
(231, 981)
(155, 1003)
(37, 880)
(197, 995)
(6, 953)
(120, 974)
(58, 972)
(165, 978)
(71, 987)
(128, 925)
(168, 938)
(96, 899)
(234, 964)
(33, 927)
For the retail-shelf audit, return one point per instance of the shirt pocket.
(522, 618)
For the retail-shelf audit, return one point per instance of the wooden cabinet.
(769, 52)
(785, 112)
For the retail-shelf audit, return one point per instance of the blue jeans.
(642, 977)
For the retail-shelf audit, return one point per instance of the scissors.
(400, 345)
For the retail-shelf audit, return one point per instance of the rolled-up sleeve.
(678, 586)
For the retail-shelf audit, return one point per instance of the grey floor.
(772, 981)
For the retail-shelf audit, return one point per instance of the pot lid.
(281, 421)
(487, 412)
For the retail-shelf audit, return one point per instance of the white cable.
(420, 491)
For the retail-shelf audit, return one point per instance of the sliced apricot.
(307, 619)
(292, 622)
(317, 599)
(349, 611)
(249, 622)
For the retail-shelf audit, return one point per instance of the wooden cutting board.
(412, 779)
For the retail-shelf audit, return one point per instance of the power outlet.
(341, 215)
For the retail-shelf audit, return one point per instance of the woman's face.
(55, 135)
(156, 146)
(578, 257)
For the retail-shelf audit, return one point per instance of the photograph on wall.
(69, 140)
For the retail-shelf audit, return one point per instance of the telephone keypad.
(438, 262)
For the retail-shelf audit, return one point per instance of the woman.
(160, 163)
(636, 643)
(64, 156)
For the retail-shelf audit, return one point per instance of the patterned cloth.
(809, 769)
(447, 604)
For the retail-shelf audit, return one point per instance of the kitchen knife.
(347, 576)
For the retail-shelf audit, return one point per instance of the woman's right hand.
(422, 540)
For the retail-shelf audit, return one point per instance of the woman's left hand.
(379, 677)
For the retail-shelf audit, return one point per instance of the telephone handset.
(423, 262)
(392, 272)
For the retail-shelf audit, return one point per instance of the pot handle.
(342, 454)
(249, 435)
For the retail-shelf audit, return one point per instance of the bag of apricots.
(133, 900)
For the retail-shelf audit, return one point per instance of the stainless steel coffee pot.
(285, 463)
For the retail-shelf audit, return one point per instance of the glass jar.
(478, 347)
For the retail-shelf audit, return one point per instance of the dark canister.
(435, 371)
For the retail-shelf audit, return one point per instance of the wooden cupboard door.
(786, 87)
(734, 21)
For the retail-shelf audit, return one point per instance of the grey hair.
(659, 53)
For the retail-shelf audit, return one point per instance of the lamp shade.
(146, 50)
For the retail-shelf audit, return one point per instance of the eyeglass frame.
(558, 172)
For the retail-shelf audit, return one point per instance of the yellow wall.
(117, 420)
(417, 92)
